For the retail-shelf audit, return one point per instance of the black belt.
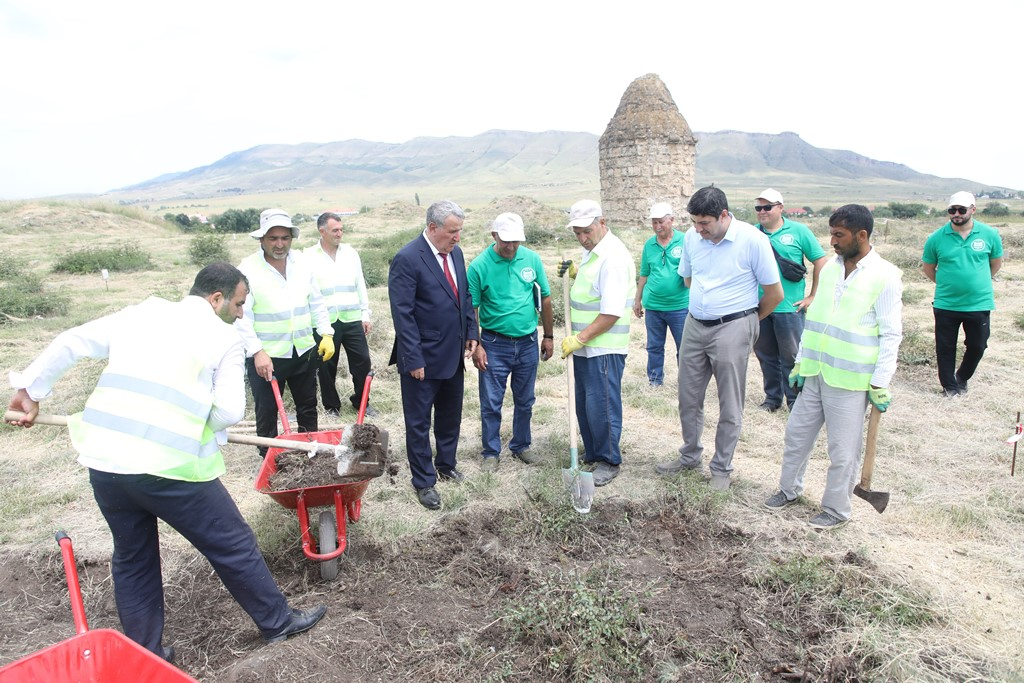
(726, 318)
(505, 336)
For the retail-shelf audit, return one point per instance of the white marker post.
(105, 274)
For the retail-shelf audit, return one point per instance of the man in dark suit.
(435, 330)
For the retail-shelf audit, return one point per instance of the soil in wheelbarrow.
(299, 470)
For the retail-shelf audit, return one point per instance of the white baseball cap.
(964, 199)
(583, 213)
(509, 227)
(660, 210)
(274, 218)
(771, 196)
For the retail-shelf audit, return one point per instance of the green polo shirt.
(963, 278)
(502, 290)
(795, 241)
(665, 290)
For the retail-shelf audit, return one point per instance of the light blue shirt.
(725, 276)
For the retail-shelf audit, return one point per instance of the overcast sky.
(99, 95)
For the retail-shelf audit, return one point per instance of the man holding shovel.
(846, 359)
(601, 300)
(149, 435)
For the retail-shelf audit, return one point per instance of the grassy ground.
(929, 590)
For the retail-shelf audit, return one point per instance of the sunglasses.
(764, 207)
(954, 210)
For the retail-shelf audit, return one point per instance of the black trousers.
(205, 514)
(947, 330)
(299, 375)
(351, 336)
(443, 399)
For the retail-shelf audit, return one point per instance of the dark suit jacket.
(431, 327)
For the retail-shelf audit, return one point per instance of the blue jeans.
(776, 352)
(505, 357)
(599, 405)
(657, 322)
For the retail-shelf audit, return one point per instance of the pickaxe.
(878, 499)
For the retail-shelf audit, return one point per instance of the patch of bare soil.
(504, 595)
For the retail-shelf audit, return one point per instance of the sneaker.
(720, 482)
(674, 467)
(779, 501)
(371, 411)
(451, 475)
(525, 456)
(604, 473)
(769, 407)
(825, 520)
(489, 465)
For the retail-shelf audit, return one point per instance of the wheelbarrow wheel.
(328, 544)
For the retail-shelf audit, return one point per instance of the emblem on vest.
(978, 245)
(528, 274)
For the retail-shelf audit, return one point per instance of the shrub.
(126, 258)
(206, 248)
(24, 295)
(237, 220)
(377, 252)
(905, 211)
(996, 209)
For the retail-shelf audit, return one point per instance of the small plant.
(207, 248)
(24, 295)
(126, 258)
(916, 348)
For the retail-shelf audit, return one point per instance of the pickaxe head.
(878, 499)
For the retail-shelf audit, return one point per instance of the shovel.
(580, 484)
(878, 499)
(62, 421)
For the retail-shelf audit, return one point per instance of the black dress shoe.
(168, 654)
(429, 498)
(451, 475)
(302, 620)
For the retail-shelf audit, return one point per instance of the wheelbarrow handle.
(74, 588)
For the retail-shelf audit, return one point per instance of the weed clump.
(207, 248)
(377, 252)
(128, 257)
(24, 294)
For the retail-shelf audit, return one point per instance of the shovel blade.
(877, 499)
(581, 489)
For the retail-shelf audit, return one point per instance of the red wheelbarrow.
(346, 497)
(100, 656)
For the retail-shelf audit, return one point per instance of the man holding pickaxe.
(846, 359)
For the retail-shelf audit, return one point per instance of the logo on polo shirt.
(677, 252)
(528, 274)
(786, 239)
(978, 245)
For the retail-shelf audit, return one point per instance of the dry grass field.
(663, 581)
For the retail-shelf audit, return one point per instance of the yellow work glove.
(567, 266)
(326, 349)
(796, 380)
(880, 398)
(570, 344)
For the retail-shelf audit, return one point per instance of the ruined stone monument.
(647, 154)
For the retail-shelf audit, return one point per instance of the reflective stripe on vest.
(585, 307)
(279, 321)
(836, 343)
(342, 300)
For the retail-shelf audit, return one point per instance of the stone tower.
(647, 154)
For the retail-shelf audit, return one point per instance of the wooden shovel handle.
(62, 421)
(870, 446)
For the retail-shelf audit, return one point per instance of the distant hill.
(548, 165)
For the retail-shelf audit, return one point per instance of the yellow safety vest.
(149, 413)
(585, 304)
(281, 315)
(836, 343)
(339, 286)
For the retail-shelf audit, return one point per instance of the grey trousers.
(842, 413)
(721, 351)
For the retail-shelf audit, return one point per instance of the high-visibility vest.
(150, 408)
(339, 285)
(836, 343)
(585, 305)
(280, 308)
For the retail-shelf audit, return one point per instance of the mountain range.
(553, 165)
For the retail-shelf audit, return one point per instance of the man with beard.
(847, 358)
(961, 258)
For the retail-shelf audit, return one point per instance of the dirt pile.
(364, 457)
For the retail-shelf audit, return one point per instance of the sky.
(100, 95)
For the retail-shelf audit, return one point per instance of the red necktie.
(448, 274)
